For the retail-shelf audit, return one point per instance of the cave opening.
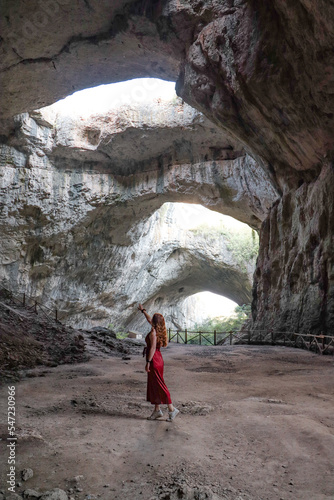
(203, 308)
(198, 265)
(103, 98)
(108, 158)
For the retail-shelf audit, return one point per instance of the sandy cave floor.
(256, 422)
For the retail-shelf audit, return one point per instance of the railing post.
(24, 300)
(200, 338)
(249, 337)
(168, 334)
(177, 336)
(36, 306)
(56, 314)
(230, 338)
(272, 337)
(215, 337)
(185, 336)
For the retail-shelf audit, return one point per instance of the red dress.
(157, 392)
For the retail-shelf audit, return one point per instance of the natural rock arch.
(79, 222)
(263, 72)
(161, 266)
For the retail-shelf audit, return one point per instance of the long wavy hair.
(158, 322)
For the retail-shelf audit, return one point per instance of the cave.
(235, 63)
(250, 135)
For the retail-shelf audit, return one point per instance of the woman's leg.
(170, 407)
(157, 408)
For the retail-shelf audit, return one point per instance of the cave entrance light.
(231, 245)
(204, 306)
(101, 99)
(192, 216)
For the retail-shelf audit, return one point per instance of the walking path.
(256, 422)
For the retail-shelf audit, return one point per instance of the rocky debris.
(28, 434)
(28, 340)
(105, 343)
(195, 408)
(188, 484)
(102, 332)
(134, 342)
(12, 496)
(27, 474)
(55, 494)
(31, 494)
(177, 492)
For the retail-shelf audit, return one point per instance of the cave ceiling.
(264, 73)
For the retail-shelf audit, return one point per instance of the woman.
(157, 392)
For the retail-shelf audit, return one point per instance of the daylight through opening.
(101, 99)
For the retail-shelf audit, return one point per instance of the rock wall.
(294, 278)
(264, 72)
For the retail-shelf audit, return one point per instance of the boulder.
(55, 494)
(26, 474)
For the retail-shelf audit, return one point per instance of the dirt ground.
(256, 422)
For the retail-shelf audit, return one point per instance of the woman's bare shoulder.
(153, 332)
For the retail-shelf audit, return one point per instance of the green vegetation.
(121, 335)
(243, 242)
(222, 324)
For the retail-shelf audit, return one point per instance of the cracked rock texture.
(76, 217)
(294, 279)
(264, 72)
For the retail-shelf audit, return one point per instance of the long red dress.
(157, 392)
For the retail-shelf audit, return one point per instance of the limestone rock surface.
(179, 263)
(264, 72)
(294, 278)
(74, 208)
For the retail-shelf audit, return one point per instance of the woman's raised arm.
(147, 316)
